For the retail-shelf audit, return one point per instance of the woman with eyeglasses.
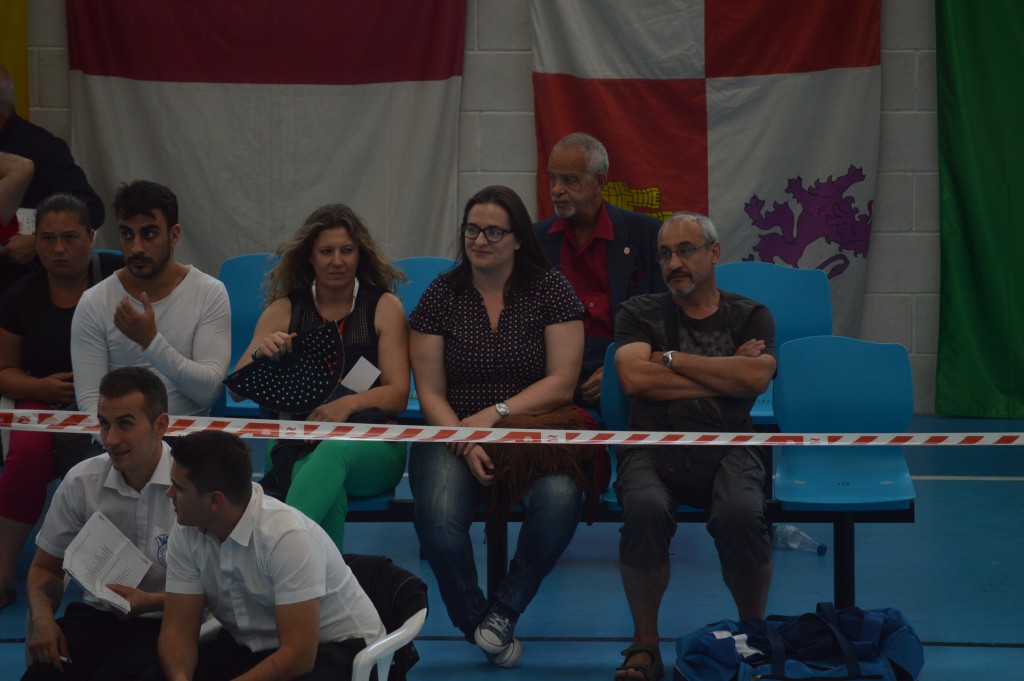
(497, 341)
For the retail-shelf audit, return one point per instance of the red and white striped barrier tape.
(81, 422)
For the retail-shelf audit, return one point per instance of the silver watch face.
(502, 408)
(666, 359)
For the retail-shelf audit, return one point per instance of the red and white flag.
(254, 113)
(764, 115)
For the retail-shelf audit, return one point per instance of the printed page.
(26, 220)
(102, 555)
(361, 377)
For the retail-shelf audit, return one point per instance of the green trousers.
(323, 480)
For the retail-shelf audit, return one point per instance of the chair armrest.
(382, 652)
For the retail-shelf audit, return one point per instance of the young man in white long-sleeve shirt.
(155, 312)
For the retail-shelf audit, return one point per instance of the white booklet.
(102, 555)
(26, 220)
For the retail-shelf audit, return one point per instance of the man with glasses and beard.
(691, 360)
(155, 312)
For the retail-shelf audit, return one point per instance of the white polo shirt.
(274, 556)
(145, 517)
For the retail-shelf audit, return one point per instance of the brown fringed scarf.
(517, 465)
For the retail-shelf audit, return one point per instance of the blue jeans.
(446, 495)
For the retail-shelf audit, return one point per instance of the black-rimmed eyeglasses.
(492, 234)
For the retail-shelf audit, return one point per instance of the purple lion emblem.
(824, 213)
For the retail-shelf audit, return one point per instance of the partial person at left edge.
(53, 170)
(35, 368)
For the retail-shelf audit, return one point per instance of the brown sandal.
(652, 672)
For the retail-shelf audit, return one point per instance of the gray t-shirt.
(737, 320)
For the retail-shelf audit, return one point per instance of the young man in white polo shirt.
(129, 485)
(290, 606)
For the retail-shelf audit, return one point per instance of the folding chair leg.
(844, 566)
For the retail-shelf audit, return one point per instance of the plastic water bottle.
(792, 537)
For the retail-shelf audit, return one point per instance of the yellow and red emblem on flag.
(764, 115)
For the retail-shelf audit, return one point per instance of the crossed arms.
(745, 374)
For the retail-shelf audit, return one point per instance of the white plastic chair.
(377, 654)
(380, 654)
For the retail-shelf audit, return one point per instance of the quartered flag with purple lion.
(764, 115)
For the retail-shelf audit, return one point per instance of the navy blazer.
(632, 270)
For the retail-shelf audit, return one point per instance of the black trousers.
(102, 647)
(223, 658)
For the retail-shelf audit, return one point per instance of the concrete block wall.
(497, 145)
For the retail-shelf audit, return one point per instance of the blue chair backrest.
(843, 385)
(799, 300)
(243, 277)
(420, 271)
(614, 403)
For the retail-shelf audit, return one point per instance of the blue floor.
(955, 573)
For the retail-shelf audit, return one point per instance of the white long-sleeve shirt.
(190, 352)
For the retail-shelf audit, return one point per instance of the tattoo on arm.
(54, 590)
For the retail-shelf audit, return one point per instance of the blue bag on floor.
(827, 644)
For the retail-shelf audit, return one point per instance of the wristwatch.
(666, 358)
(502, 409)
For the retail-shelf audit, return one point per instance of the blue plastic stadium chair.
(799, 300)
(833, 384)
(615, 410)
(420, 271)
(615, 414)
(243, 277)
(614, 403)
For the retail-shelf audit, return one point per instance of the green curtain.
(980, 74)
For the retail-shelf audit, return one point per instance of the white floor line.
(971, 478)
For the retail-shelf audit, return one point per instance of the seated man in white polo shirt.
(129, 485)
(290, 606)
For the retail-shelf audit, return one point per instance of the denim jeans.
(446, 494)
